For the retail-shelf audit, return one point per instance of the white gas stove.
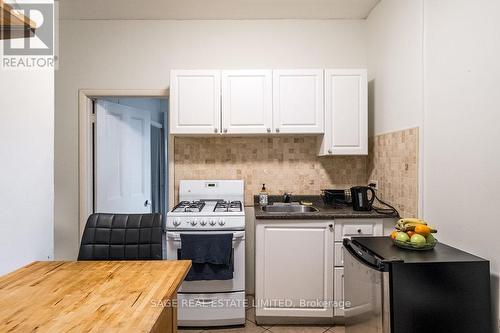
(208, 207)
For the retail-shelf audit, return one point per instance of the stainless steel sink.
(289, 209)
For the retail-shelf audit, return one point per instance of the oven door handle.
(176, 236)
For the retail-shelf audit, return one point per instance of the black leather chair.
(122, 237)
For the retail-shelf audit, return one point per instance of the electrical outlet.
(373, 184)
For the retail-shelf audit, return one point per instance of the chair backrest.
(122, 237)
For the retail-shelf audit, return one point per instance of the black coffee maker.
(360, 200)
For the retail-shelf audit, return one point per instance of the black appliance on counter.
(360, 199)
(392, 290)
(335, 197)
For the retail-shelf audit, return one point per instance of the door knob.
(147, 203)
(268, 130)
(277, 130)
(329, 151)
(225, 130)
(216, 130)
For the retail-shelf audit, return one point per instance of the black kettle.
(360, 200)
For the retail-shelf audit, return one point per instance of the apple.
(431, 239)
(402, 237)
(418, 240)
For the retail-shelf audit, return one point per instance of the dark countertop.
(324, 213)
(386, 250)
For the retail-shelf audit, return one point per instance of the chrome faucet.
(287, 197)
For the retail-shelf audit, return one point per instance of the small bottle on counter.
(263, 197)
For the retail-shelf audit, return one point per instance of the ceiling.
(215, 9)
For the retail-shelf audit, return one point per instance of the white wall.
(27, 159)
(139, 55)
(435, 64)
(462, 125)
(395, 66)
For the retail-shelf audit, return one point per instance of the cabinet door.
(195, 101)
(298, 105)
(294, 269)
(339, 291)
(346, 112)
(247, 101)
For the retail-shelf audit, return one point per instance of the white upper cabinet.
(247, 101)
(346, 112)
(195, 101)
(298, 101)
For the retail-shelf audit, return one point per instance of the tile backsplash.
(284, 163)
(291, 164)
(393, 162)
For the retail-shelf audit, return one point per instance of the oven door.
(212, 286)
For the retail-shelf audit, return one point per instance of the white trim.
(85, 117)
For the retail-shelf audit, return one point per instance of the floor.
(252, 327)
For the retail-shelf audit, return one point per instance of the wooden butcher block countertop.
(91, 296)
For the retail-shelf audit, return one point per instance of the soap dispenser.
(263, 197)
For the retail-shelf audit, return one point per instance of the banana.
(410, 226)
(411, 220)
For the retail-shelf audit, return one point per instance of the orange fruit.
(410, 233)
(423, 230)
(393, 234)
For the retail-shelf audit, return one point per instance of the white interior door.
(122, 159)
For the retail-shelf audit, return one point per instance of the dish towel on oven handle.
(211, 254)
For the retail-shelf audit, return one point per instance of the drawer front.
(339, 255)
(211, 309)
(348, 230)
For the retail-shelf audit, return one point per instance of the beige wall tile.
(291, 164)
(284, 163)
(393, 162)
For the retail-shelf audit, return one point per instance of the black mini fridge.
(393, 290)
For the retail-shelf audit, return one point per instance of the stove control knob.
(221, 222)
(203, 222)
(177, 223)
(212, 223)
(194, 222)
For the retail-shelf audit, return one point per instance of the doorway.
(129, 155)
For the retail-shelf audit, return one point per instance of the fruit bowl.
(411, 246)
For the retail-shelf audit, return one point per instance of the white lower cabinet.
(339, 291)
(294, 268)
(299, 265)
